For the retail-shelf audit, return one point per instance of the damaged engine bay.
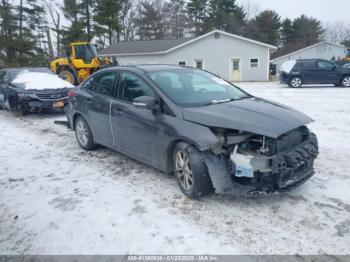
(266, 164)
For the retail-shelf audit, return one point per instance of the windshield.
(193, 87)
(86, 52)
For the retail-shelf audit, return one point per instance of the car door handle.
(118, 112)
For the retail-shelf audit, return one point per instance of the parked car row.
(208, 132)
(295, 73)
(27, 89)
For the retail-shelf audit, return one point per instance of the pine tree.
(80, 13)
(307, 30)
(226, 15)
(302, 32)
(7, 32)
(265, 27)
(287, 31)
(107, 17)
(197, 10)
(86, 11)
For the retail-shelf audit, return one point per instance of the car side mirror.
(145, 102)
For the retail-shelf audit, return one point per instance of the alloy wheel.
(346, 81)
(82, 132)
(183, 170)
(296, 82)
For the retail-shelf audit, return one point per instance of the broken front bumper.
(285, 171)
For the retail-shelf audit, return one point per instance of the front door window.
(132, 86)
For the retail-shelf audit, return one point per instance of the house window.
(235, 64)
(198, 63)
(254, 62)
(182, 63)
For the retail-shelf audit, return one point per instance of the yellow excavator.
(81, 61)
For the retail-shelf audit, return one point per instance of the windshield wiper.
(214, 102)
(241, 97)
(220, 101)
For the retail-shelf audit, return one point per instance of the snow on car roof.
(40, 80)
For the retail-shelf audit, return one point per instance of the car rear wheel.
(345, 82)
(83, 134)
(296, 82)
(191, 171)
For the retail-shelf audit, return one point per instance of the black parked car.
(295, 73)
(210, 133)
(26, 89)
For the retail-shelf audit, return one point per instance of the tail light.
(70, 93)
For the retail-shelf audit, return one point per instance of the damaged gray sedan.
(209, 133)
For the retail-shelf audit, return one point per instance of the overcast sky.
(324, 10)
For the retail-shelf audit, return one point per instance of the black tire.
(80, 125)
(68, 75)
(23, 109)
(296, 82)
(345, 81)
(201, 184)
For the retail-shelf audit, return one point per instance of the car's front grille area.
(52, 96)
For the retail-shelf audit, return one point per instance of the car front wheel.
(345, 82)
(191, 171)
(296, 82)
(83, 134)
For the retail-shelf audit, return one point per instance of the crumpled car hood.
(253, 115)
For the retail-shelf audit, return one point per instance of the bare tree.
(128, 20)
(55, 16)
(251, 9)
(337, 32)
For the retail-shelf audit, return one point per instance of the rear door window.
(308, 64)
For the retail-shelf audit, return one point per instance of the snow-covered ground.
(56, 198)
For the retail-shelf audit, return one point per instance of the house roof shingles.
(140, 47)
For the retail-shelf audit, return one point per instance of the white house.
(233, 57)
(322, 50)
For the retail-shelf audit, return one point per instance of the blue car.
(295, 73)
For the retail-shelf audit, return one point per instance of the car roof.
(312, 59)
(148, 67)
